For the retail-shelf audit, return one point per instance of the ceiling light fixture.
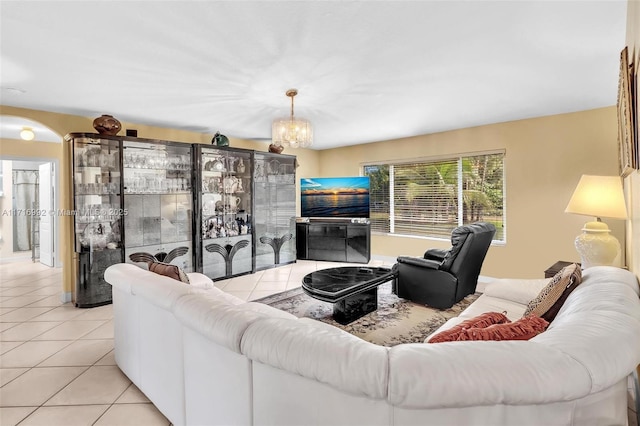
(27, 134)
(290, 131)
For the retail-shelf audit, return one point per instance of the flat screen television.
(335, 197)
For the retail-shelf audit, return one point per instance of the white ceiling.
(365, 70)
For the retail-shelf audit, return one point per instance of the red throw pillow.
(481, 321)
(522, 329)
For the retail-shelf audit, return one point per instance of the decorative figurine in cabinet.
(225, 204)
(158, 200)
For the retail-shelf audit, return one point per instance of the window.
(430, 198)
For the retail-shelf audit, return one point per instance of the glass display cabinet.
(225, 204)
(275, 209)
(158, 200)
(98, 213)
(220, 211)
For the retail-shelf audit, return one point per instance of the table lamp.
(598, 196)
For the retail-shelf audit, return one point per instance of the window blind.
(431, 198)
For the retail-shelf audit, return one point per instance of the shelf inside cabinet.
(99, 168)
(157, 169)
(99, 194)
(155, 193)
(97, 189)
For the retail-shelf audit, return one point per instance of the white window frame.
(434, 159)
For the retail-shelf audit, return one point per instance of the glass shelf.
(99, 194)
(155, 169)
(157, 193)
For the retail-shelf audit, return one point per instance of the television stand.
(334, 240)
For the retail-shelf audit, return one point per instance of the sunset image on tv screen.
(335, 197)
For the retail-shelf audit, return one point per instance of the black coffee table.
(353, 290)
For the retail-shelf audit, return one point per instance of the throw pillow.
(550, 299)
(522, 329)
(481, 321)
(168, 270)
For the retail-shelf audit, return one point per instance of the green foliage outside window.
(423, 198)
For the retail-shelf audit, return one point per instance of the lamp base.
(596, 246)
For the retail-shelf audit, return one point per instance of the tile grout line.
(10, 298)
(99, 321)
(60, 390)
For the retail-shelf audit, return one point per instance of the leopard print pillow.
(555, 292)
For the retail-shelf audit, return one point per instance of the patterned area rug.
(395, 321)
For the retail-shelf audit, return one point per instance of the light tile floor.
(57, 365)
(56, 361)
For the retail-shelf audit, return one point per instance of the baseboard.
(11, 259)
(485, 279)
(386, 259)
(66, 297)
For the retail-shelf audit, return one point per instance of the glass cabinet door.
(98, 210)
(275, 209)
(97, 215)
(158, 200)
(226, 203)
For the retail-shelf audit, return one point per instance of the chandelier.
(291, 131)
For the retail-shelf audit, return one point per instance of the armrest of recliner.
(418, 261)
(422, 281)
(436, 254)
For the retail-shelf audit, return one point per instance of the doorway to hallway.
(28, 223)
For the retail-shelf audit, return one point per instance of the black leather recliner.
(444, 277)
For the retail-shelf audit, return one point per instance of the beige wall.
(65, 123)
(6, 221)
(545, 158)
(632, 182)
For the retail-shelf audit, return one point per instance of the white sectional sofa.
(205, 357)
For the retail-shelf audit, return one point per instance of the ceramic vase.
(107, 125)
(276, 149)
(220, 140)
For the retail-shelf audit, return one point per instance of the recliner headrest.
(459, 236)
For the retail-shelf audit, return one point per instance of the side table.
(555, 268)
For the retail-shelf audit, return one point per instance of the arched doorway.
(28, 192)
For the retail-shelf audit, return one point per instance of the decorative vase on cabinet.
(107, 125)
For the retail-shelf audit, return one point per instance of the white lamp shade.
(598, 196)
